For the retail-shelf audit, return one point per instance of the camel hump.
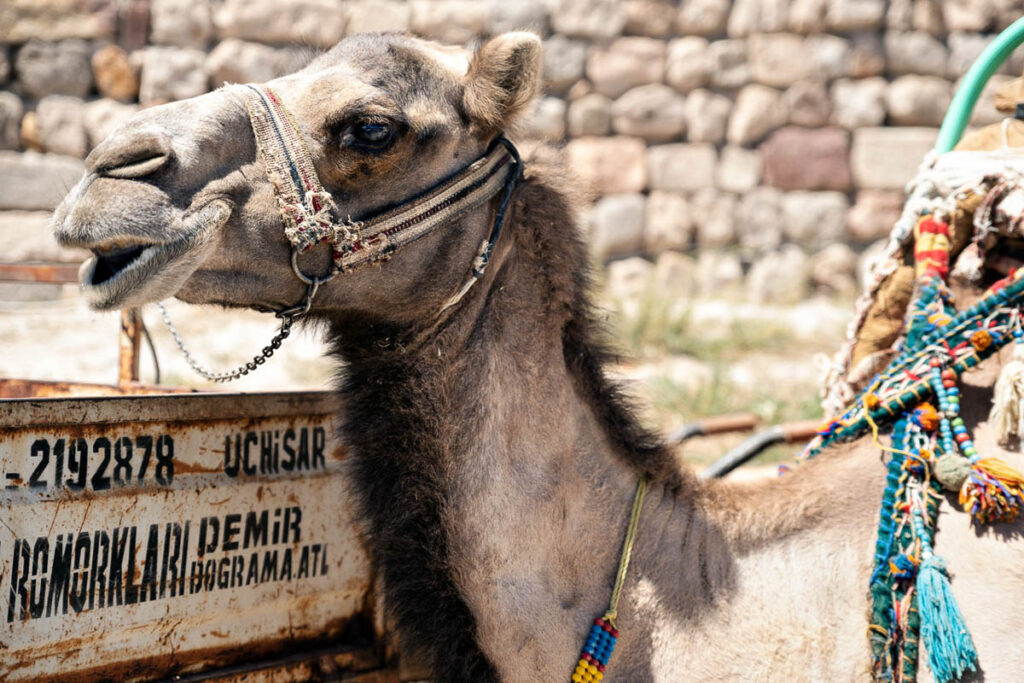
(503, 79)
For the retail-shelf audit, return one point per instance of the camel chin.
(128, 276)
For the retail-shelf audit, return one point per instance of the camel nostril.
(134, 168)
(130, 154)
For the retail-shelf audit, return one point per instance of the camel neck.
(435, 431)
(488, 450)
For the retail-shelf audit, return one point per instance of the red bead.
(599, 621)
(615, 633)
(607, 628)
(600, 667)
(949, 384)
(960, 438)
(586, 656)
(934, 362)
(947, 374)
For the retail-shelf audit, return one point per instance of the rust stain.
(85, 515)
(28, 388)
(186, 467)
(54, 520)
(344, 633)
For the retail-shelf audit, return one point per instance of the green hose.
(959, 112)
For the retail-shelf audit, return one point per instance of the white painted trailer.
(188, 536)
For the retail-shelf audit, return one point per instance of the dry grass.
(743, 359)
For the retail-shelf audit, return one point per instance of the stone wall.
(752, 147)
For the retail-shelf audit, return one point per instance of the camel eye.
(371, 135)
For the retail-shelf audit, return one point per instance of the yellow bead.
(577, 677)
(599, 675)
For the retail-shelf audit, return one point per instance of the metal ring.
(315, 280)
(302, 308)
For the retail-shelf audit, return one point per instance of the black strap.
(506, 199)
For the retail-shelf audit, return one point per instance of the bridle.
(310, 216)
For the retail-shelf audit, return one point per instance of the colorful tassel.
(950, 648)
(894, 619)
(994, 491)
(1008, 401)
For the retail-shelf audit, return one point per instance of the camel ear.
(503, 79)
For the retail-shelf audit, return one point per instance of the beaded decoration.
(600, 643)
(596, 652)
(931, 448)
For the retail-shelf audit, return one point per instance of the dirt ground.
(64, 340)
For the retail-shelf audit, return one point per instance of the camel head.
(177, 201)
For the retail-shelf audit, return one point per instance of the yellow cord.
(874, 435)
(627, 550)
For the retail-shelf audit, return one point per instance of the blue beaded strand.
(596, 652)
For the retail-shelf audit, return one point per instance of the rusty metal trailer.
(152, 533)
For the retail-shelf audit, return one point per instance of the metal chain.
(242, 370)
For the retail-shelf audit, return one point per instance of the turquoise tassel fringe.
(946, 638)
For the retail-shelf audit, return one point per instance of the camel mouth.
(112, 261)
(123, 273)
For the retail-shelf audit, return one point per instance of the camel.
(492, 460)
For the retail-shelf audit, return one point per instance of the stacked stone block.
(753, 147)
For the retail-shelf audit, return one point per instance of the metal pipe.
(56, 273)
(744, 452)
(789, 432)
(991, 58)
(720, 424)
(129, 343)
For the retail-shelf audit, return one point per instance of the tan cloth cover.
(991, 137)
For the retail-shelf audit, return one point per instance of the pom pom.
(903, 567)
(992, 491)
(950, 649)
(981, 340)
(927, 417)
(952, 471)
(1008, 400)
